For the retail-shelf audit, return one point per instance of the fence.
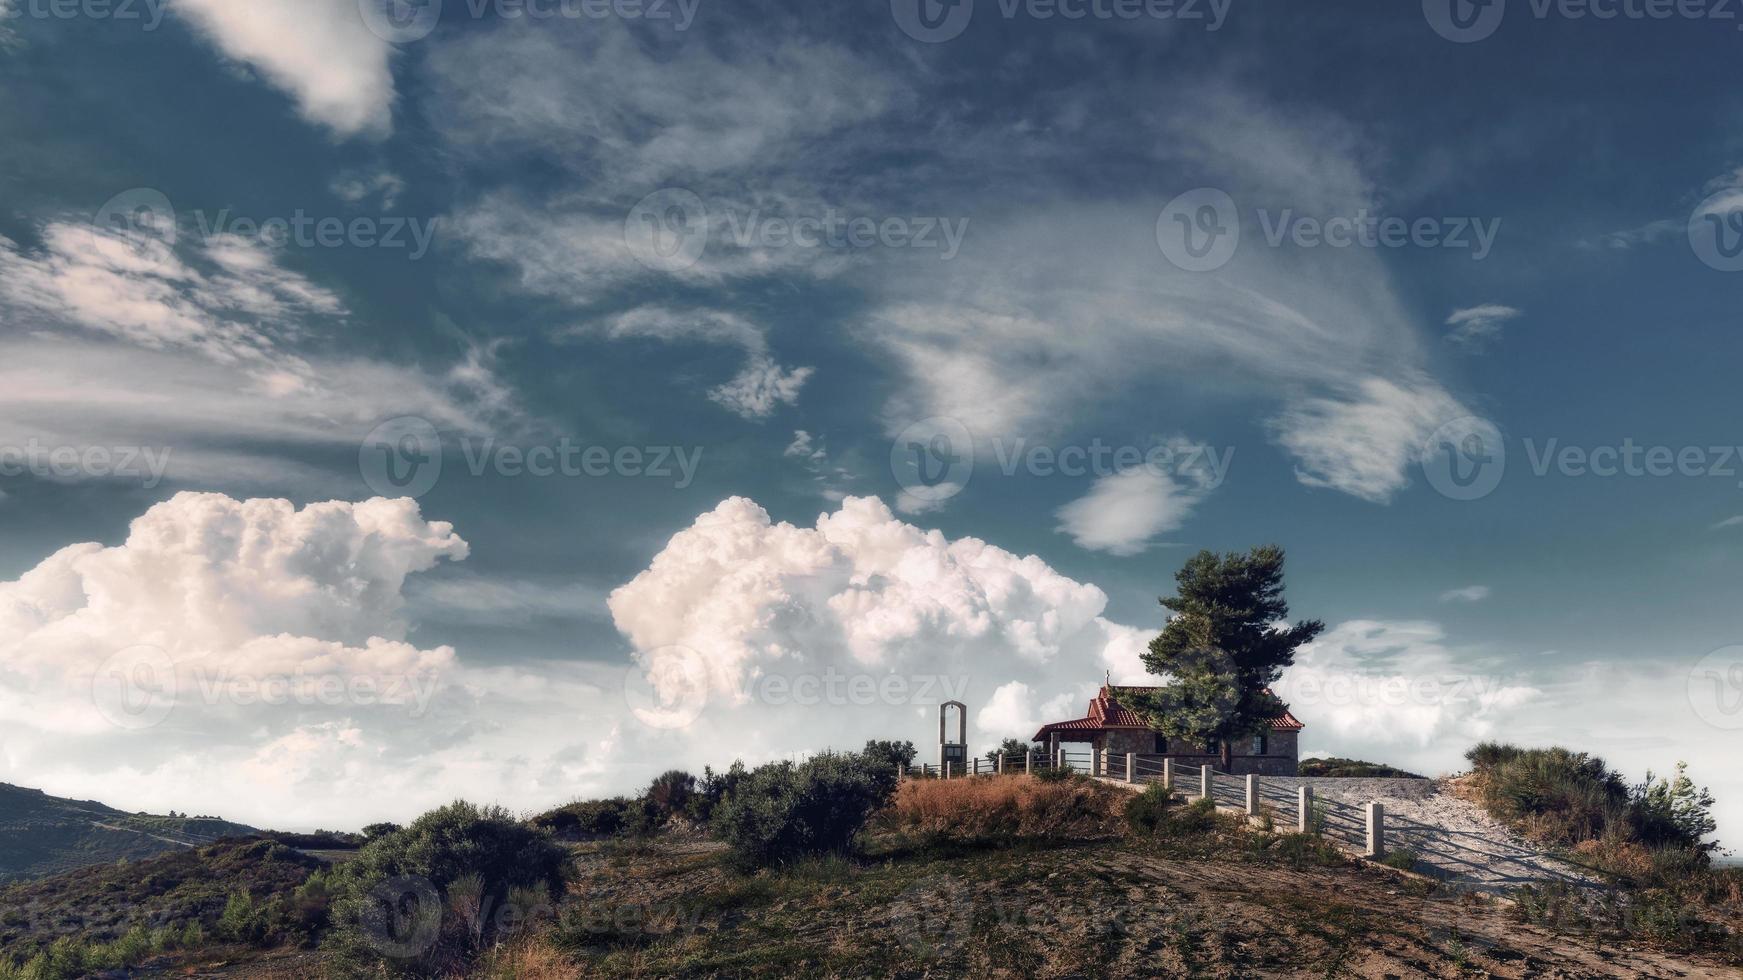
(1258, 797)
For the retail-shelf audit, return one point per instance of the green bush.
(1055, 774)
(1147, 810)
(424, 900)
(1155, 812)
(784, 811)
(619, 816)
(669, 794)
(714, 787)
(890, 753)
(1404, 859)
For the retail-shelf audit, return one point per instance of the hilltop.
(43, 835)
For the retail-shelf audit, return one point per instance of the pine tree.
(1226, 643)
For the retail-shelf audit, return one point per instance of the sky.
(401, 402)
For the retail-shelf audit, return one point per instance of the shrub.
(784, 811)
(1015, 806)
(892, 754)
(375, 830)
(1404, 859)
(669, 794)
(1353, 769)
(1156, 813)
(1008, 747)
(714, 788)
(1055, 774)
(423, 900)
(587, 819)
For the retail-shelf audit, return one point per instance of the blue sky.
(574, 228)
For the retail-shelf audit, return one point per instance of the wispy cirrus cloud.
(1474, 328)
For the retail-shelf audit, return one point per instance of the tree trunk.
(1226, 750)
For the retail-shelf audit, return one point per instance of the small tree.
(669, 794)
(1226, 643)
(891, 753)
(1010, 746)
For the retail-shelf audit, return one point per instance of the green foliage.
(587, 819)
(1155, 812)
(375, 830)
(1010, 746)
(1403, 858)
(1222, 649)
(424, 900)
(1055, 774)
(669, 794)
(890, 753)
(714, 787)
(784, 811)
(1353, 769)
(1568, 798)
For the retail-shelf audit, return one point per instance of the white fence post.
(1094, 761)
(1131, 767)
(1059, 759)
(1252, 795)
(1376, 830)
(1304, 811)
(947, 770)
(1206, 783)
(1001, 770)
(1028, 757)
(1168, 775)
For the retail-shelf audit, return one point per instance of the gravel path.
(1453, 837)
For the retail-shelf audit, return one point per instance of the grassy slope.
(101, 902)
(1217, 907)
(1353, 768)
(43, 835)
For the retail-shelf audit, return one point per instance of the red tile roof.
(1105, 712)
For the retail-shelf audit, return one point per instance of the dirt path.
(1452, 837)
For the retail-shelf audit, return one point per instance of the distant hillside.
(1353, 769)
(43, 835)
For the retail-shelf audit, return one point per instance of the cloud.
(1476, 327)
(861, 594)
(356, 186)
(755, 392)
(1470, 593)
(1363, 441)
(207, 349)
(1729, 522)
(318, 51)
(1124, 512)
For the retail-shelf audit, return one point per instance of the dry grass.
(531, 958)
(1006, 806)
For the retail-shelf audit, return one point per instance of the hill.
(1353, 769)
(43, 835)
